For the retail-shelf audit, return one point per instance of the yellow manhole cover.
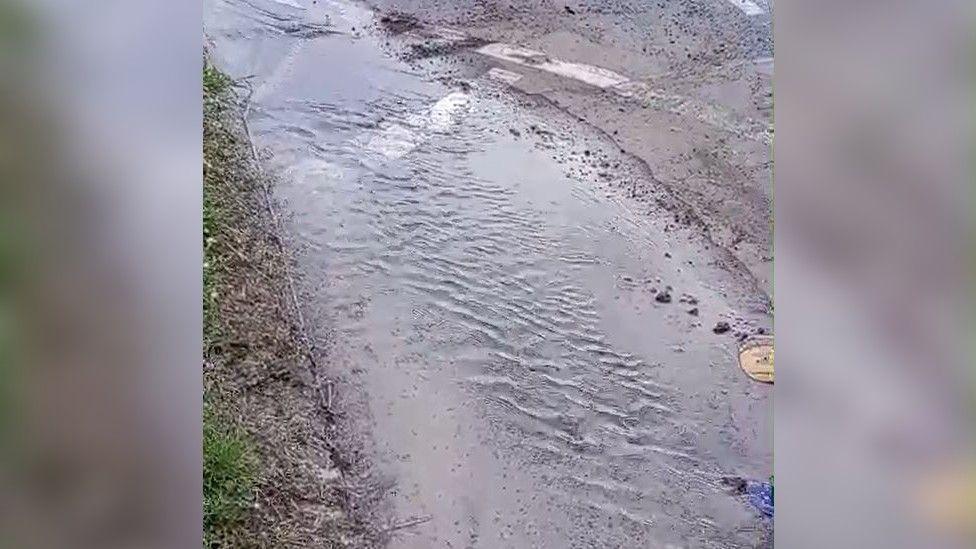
(756, 358)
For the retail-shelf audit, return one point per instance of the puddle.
(491, 287)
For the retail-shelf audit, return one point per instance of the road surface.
(517, 229)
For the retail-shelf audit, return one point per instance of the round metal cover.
(756, 358)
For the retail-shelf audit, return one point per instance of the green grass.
(211, 216)
(229, 477)
(214, 84)
(230, 464)
(214, 81)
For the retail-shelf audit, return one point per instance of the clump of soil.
(437, 48)
(399, 23)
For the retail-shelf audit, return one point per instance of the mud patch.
(397, 23)
(307, 30)
(440, 48)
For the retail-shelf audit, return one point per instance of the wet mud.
(520, 315)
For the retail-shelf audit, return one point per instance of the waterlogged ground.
(487, 271)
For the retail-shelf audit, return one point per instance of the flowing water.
(490, 282)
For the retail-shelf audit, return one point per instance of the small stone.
(515, 132)
(693, 311)
(721, 327)
(667, 255)
(760, 330)
(663, 297)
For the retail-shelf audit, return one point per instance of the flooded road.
(530, 327)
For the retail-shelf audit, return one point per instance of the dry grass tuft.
(273, 480)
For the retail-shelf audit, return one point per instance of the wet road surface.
(697, 108)
(527, 321)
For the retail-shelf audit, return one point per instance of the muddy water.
(490, 284)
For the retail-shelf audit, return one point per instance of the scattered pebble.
(693, 311)
(663, 297)
(721, 327)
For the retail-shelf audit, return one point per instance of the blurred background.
(100, 273)
(874, 113)
(100, 255)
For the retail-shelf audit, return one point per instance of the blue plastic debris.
(760, 495)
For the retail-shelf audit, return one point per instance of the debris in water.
(756, 359)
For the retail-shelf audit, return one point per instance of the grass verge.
(229, 469)
(270, 478)
(229, 458)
